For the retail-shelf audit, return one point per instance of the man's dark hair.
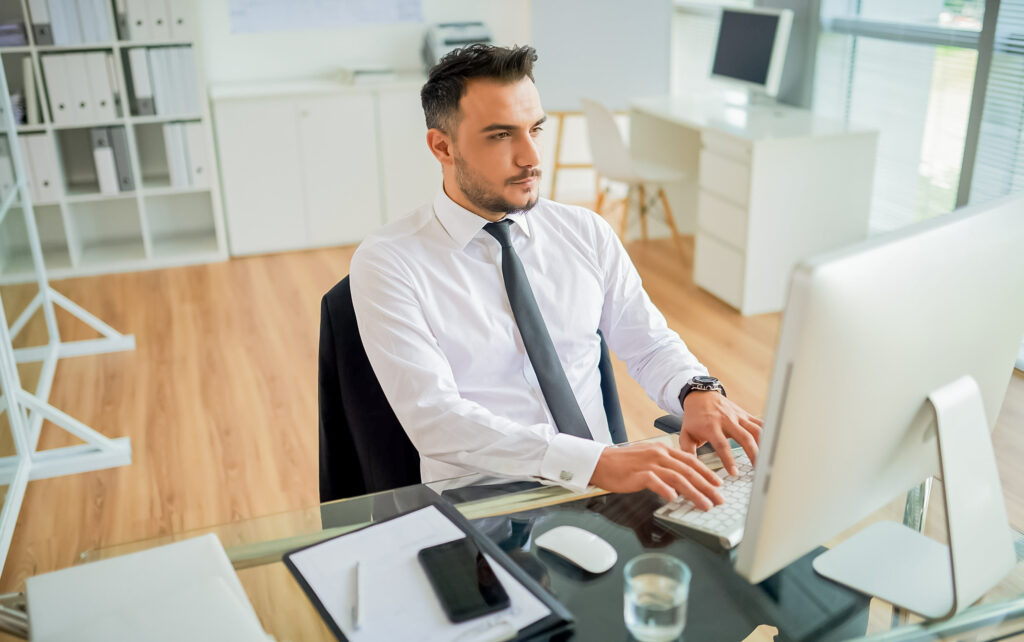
(446, 82)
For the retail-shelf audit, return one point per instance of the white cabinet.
(261, 175)
(299, 170)
(411, 174)
(337, 147)
(308, 164)
(774, 185)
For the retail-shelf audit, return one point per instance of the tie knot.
(501, 230)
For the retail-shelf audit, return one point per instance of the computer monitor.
(751, 48)
(888, 350)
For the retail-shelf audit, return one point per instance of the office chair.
(612, 160)
(363, 447)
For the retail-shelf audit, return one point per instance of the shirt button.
(565, 475)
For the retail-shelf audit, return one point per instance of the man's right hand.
(665, 470)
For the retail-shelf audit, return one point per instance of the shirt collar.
(462, 225)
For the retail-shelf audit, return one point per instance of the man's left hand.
(710, 417)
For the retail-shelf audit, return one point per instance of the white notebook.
(186, 590)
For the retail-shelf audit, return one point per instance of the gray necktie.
(561, 401)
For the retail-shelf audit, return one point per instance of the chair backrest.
(363, 447)
(608, 151)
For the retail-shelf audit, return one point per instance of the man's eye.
(500, 135)
(537, 130)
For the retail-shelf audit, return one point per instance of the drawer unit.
(722, 219)
(718, 269)
(725, 177)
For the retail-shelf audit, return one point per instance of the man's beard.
(478, 193)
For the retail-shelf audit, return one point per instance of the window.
(906, 69)
(999, 161)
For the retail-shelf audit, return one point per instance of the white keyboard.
(725, 522)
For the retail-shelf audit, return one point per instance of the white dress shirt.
(436, 324)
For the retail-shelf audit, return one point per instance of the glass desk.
(722, 606)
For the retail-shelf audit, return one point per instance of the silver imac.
(892, 364)
(751, 48)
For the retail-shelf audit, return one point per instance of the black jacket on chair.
(363, 447)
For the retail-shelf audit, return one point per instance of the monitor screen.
(745, 44)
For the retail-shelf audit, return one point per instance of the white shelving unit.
(85, 232)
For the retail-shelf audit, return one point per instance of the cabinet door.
(260, 174)
(411, 174)
(338, 146)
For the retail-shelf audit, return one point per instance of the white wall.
(303, 54)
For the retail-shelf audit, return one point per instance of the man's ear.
(440, 145)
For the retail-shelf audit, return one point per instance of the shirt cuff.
(675, 386)
(570, 461)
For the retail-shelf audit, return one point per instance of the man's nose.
(528, 153)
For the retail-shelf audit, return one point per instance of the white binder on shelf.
(142, 84)
(174, 84)
(107, 31)
(28, 75)
(197, 156)
(156, 77)
(119, 141)
(99, 86)
(124, 31)
(177, 160)
(67, 29)
(162, 74)
(60, 23)
(97, 14)
(45, 173)
(58, 87)
(138, 20)
(103, 155)
(176, 81)
(88, 21)
(114, 80)
(30, 172)
(159, 19)
(83, 107)
(39, 11)
(186, 71)
(181, 20)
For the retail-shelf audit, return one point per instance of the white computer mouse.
(579, 546)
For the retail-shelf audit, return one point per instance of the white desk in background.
(768, 185)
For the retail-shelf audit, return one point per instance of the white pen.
(357, 601)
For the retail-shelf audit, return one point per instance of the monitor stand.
(746, 97)
(908, 569)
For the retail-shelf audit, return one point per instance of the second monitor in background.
(751, 48)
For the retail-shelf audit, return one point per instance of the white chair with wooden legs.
(613, 162)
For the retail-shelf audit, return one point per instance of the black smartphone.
(463, 580)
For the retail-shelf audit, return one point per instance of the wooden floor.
(219, 398)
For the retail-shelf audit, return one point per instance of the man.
(479, 312)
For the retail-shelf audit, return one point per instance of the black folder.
(559, 619)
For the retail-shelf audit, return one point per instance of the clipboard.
(306, 572)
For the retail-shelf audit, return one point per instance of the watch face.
(706, 381)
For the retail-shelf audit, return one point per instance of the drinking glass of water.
(654, 602)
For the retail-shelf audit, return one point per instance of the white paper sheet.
(398, 600)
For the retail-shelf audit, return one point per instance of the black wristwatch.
(701, 383)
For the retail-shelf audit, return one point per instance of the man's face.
(497, 149)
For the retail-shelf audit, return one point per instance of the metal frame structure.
(26, 410)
